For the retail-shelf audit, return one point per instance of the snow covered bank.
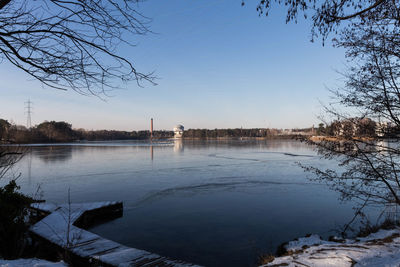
(31, 262)
(377, 249)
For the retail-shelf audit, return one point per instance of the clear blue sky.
(219, 65)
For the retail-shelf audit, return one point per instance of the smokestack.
(151, 129)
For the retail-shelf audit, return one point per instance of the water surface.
(214, 203)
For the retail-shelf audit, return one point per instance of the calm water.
(214, 203)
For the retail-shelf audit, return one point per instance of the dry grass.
(265, 259)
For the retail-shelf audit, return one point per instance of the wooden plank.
(59, 228)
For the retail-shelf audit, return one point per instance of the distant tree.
(4, 127)
(347, 128)
(366, 128)
(18, 134)
(72, 44)
(56, 131)
(321, 129)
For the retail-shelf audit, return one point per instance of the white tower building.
(178, 131)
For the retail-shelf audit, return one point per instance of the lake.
(214, 203)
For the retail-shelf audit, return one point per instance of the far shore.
(317, 138)
(314, 138)
(275, 137)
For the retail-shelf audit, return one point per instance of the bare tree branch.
(73, 44)
(3, 3)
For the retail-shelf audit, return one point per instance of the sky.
(218, 65)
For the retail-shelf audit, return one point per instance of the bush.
(13, 221)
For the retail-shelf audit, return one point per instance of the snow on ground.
(48, 207)
(31, 262)
(58, 227)
(377, 249)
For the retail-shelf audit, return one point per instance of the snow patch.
(31, 262)
(306, 241)
(377, 249)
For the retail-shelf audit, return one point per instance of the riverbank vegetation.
(14, 208)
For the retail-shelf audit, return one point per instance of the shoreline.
(278, 137)
(377, 249)
(319, 138)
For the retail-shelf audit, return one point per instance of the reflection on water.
(215, 203)
(29, 162)
(51, 154)
(178, 146)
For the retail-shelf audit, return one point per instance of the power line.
(28, 112)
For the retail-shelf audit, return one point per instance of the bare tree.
(369, 32)
(72, 44)
(328, 15)
(13, 206)
(8, 157)
(371, 90)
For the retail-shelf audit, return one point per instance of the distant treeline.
(220, 133)
(53, 131)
